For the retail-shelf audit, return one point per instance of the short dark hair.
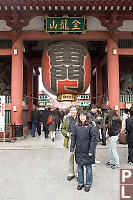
(131, 111)
(126, 110)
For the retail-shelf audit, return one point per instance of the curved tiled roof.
(66, 2)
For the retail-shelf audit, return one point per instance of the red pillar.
(113, 75)
(17, 83)
(93, 90)
(30, 90)
(99, 85)
(36, 87)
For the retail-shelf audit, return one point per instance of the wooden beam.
(5, 52)
(126, 52)
(39, 35)
(7, 35)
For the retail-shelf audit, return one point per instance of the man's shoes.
(33, 135)
(109, 164)
(87, 188)
(130, 163)
(69, 178)
(115, 166)
(52, 139)
(104, 144)
(97, 161)
(79, 187)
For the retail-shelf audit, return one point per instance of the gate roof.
(66, 2)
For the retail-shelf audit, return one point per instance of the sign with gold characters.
(65, 24)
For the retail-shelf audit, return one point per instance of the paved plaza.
(36, 169)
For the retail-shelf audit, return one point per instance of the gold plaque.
(67, 97)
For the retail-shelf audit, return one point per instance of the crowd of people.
(82, 130)
(49, 119)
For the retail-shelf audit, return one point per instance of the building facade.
(108, 36)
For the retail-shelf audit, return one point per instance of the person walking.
(53, 125)
(95, 120)
(58, 116)
(46, 113)
(100, 126)
(84, 139)
(36, 120)
(67, 128)
(114, 128)
(129, 129)
(124, 117)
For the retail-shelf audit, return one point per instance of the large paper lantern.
(66, 68)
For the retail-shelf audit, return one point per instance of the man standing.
(95, 120)
(129, 129)
(67, 129)
(35, 118)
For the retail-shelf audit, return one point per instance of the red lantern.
(66, 68)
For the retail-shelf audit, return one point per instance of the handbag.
(49, 121)
(123, 137)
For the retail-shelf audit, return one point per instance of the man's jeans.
(88, 175)
(114, 158)
(34, 126)
(71, 163)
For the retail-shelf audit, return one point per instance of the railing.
(9, 133)
(7, 99)
(126, 98)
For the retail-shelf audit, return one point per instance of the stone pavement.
(36, 169)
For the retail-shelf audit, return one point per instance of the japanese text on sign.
(65, 24)
(2, 113)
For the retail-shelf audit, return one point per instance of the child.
(84, 139)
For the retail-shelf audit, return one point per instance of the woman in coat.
(114, 128)
(53, 125)
(83, 142)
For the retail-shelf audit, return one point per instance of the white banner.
(2, 114)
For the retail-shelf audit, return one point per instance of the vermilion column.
(36, 87)
(113, 75)
(93, 90)
(99, 85)
(17, 83)
(30, 90)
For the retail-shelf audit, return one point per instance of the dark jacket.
(84, 138)
(95, 122)
(35, 115)
(115, 127)
(45, 116)
(53, 126)
(129, 129)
